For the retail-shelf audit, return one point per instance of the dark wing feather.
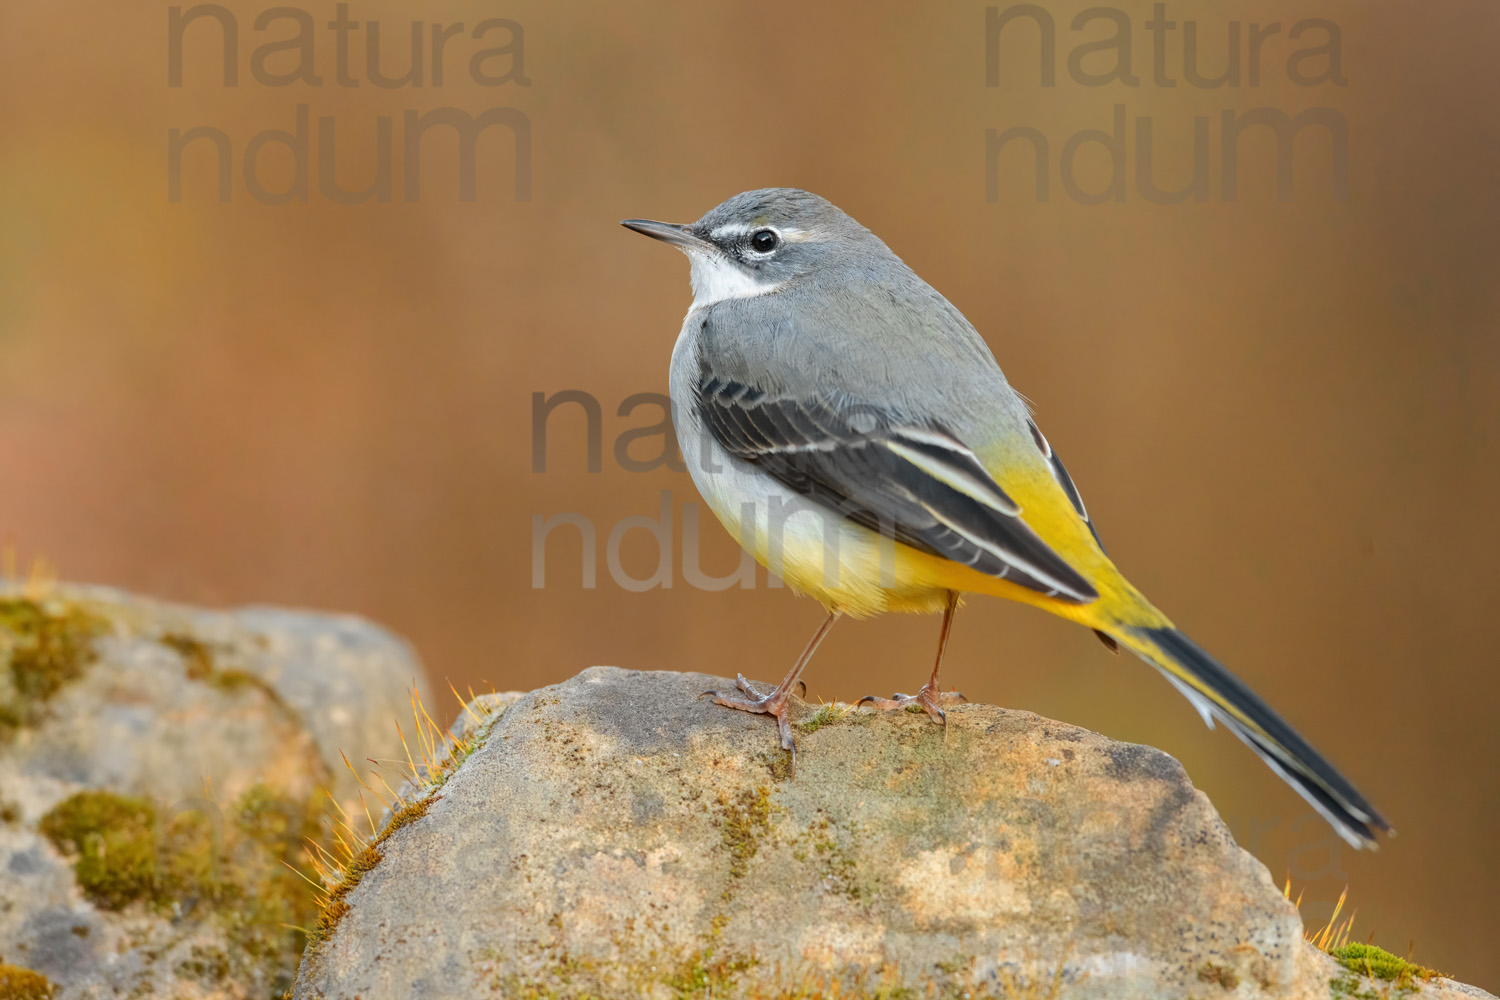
(918, 485)
(1065, 481)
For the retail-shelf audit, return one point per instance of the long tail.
(1218, 694)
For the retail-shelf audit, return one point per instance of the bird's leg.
(775, 703)
(930, 699)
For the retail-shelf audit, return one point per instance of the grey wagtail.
(851, 429)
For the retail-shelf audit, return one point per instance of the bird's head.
(759, 241)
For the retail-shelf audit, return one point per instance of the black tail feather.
(1218, 694)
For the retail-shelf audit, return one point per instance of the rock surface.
(615, 836)
(158, 764)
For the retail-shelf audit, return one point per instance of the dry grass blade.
(437, 755)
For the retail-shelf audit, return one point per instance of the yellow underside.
(860, 573)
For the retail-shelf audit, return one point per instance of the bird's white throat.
(716, 278)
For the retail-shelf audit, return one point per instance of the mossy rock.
(616, 836)
(162, 766)
(242, 871)
(114, 840)
(678, 855)
(1377, 963)
(44, 645)
(23, 984)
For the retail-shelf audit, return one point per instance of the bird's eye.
(765, 241)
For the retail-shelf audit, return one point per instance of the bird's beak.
(667, 232)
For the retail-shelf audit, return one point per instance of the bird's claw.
(770, 704)
(746, 686)
(927, 700)
(784, 728)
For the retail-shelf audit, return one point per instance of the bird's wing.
(917, 484)
(1064, 480)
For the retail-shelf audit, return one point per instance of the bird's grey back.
(860, 328)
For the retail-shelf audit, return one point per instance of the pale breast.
(813, 549)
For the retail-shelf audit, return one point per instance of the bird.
(852, 429)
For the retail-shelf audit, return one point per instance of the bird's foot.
(927, 699)
(774, 703)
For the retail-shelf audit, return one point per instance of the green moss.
(1347, 987)
(44, 646)
(549, 971)
(839, 870)
(23, 984)
(337, 905)
(238, 680)
(407, 815)
(462, 750)
(114, 840)
(119, 860)
(742, 822)
(262, 816)
(245, 870)
(434, 775)
(1377, 963)
(1226, 977)
(781, 765)
(565, 977)
(200, 661)
(706, 974)
(197, 655)
(827, 714)
(207, 965)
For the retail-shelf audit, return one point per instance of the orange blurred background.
(1282, 415)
